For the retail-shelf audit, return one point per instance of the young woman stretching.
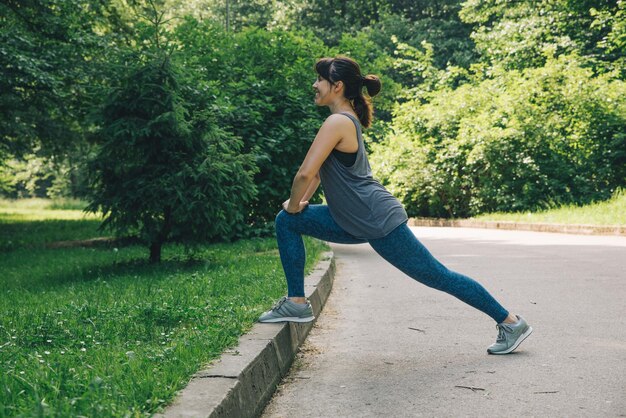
(360, 209)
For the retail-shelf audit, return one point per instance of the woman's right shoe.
(510, 336)
(287, 311)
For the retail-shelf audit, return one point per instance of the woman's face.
(322, 89)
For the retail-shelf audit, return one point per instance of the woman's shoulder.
(343, 120)
(341, 117)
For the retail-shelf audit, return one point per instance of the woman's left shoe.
(286, 310)
(510, 336)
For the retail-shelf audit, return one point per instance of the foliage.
(524, 33)
(49, 56)
(247, 68)
(258, 84)
(411, 21)
(41, 176)
(374, 32)
(613, 45)
(413, 47)
(440, 27)
(161, 174)
(231, 15)
(520, 141)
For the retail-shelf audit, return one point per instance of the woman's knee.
(281, 219)
(285, 220)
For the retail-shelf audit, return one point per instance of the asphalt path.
(386, 345)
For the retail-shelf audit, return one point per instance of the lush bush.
(163, 171)
(258, 84)
(519, 141)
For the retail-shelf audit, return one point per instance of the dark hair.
(342, 68)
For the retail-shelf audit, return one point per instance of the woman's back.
(357, 202)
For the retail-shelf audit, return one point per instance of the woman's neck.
(341, 106)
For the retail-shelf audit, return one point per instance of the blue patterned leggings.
(400, 248)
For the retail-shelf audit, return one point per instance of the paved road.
(388, 346)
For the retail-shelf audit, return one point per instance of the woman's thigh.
(403, 250)
(315, 221)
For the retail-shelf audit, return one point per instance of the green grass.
(609, 212)
(29, 223)
(99, 332)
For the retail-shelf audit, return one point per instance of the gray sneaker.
(286, 310)
(510, 336)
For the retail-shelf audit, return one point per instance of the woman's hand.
(291, 210)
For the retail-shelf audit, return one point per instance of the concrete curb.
(522, 226)
(242, 380)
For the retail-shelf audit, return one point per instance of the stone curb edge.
(522, 226)
(243, 379)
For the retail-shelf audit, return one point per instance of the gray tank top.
(357, 202)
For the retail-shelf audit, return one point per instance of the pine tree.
(161, 176)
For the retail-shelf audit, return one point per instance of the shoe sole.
(290, 319)
(517, 343)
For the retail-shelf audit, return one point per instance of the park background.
(179, 126)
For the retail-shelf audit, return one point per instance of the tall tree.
(164, 170)
(160, 175)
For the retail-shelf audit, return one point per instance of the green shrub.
(164, 172)
(258, 84)
(519, 141)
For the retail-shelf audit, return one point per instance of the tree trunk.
(155, 252)
(155, 246)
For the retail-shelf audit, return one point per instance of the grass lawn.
(36, 222)
(99, 332)
(609, 212)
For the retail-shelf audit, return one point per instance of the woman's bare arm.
(301, 187)
(312, 188)
(307, 177)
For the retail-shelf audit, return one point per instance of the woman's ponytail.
(373, 84)
(363, 108)
(363, 104)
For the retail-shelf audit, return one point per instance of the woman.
(360, 209)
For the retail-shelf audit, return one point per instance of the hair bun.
(372, 83)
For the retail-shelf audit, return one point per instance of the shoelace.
(502, 332)
(279, 303)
